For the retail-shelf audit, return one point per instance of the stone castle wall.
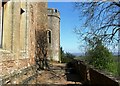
(17, 54)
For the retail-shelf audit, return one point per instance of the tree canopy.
(100, 57)
(99, 25)
(99, 19)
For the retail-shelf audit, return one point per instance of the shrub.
(100, 57)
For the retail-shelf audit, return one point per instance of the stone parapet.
(92, 77)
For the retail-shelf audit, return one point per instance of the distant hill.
(78, 54)
(82, 54)
(115, 53)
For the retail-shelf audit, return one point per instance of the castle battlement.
(53, 12)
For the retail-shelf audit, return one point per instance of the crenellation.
(53, 12)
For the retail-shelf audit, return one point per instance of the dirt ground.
(56, 75)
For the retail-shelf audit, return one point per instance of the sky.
(69, 19)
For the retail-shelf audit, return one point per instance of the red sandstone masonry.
(23, 63)
(8, 67)
(16, 64)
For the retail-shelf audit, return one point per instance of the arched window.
(1, 21)
(49, 36)
(6, 25)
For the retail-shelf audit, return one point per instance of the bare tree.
(99, 19)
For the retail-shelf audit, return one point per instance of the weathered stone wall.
(99, 78)
(93, 77)
(10, 48)
(77, 69)
(82, 71)
(17, 64)
(54, 27)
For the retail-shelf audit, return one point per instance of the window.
(23, 28)
(49, 36)
(1, 22)
(21, 11)
(6, 31)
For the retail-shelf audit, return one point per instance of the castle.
(28, 31)
(54, 31)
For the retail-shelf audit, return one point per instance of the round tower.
(54, 34)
